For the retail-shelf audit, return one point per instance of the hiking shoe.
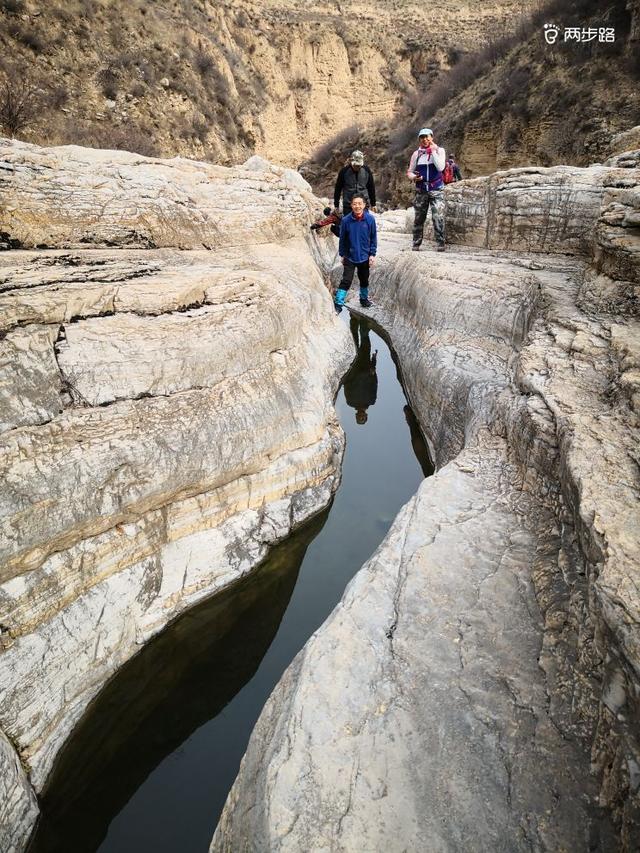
(415, 248)
(338, 308)
(441, 247)
(366, 303)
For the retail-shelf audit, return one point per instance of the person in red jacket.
(332, 218)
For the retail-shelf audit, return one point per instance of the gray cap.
(357, 157)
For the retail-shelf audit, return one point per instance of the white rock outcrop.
(166, 416)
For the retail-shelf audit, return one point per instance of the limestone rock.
(532, 209)
(628, 139)
(618, 230)
(30, 382)
(293, 179)
(123, 199)
(417, 716)
(18, 807)
(393, 221)
(167, 416)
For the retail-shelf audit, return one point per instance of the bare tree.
(20, 103)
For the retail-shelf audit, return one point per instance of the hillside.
(518, 102)
(223, 80)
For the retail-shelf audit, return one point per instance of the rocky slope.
(514, 102)
(224, 80)
(166, 415)
(476, 689)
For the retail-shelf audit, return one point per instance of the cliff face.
(224, 80)
(166, 415)
(477, 686)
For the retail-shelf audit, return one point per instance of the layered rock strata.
(476, 689)
(167, 416)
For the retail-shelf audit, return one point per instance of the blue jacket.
(358, 237)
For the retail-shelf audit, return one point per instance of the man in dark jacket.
(451, 160)
(358, 246)
(354, 178)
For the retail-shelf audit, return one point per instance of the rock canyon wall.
(167, 415)
(168, 360)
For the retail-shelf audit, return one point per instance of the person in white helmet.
(354, 179)
(425, 170)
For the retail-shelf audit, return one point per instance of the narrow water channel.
(151, 765)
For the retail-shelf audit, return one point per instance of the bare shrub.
(138, 140)
(127, 59)
(301, 83)
(203, 62)
(199, 129)
(108, 81)
(20, 103)
(58, 96)
(27, 36)
(325, 151)
(138, 90)
(222, 90)
(12, 7)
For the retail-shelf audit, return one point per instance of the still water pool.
(151, 764)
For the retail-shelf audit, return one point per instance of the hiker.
(358, 246)
(354, 178)
(425, 169)
(332, 218)
(361, 382)
(451, 172)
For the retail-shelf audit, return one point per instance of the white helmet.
(425, 131)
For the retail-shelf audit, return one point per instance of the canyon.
(170, 356)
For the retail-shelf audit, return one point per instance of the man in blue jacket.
(358, 247)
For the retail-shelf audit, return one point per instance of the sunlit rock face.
(166, 415)
(75, 197)
(476, 688)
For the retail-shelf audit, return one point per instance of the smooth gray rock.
(417, 716)
(476, 689)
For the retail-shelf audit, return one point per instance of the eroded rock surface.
(18, 806)
(74, 197)
(417, 716)
(477, 687)
(166, 416)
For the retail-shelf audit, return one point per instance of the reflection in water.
(418, 443)
(361, 382)
(152, 763)
(181, 679)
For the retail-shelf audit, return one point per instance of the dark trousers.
(348, 273)
(421, 204)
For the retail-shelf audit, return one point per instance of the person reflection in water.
(361, 382)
